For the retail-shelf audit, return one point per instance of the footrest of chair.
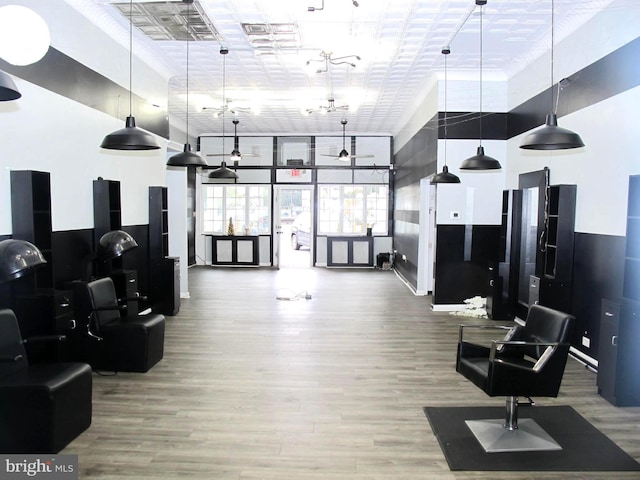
(494, 437)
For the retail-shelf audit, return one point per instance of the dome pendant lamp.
(187, 158)
(480, 161)
(445, 176)
(130, 137)
(223, 171)
(8, 89)
(551, 136)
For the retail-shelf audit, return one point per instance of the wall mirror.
(534, 189)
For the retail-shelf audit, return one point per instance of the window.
(350, 209)
(248, 207)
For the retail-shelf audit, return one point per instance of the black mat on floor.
(584, 448)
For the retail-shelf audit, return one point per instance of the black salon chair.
(42, 407)
(108, 341)
(528, 362)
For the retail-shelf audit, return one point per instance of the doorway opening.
(293, 215)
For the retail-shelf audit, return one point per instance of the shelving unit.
(107, 216)
(31, 218)
(164, 272)
(107, 211)
(619, 355)
(631, 286)
(39, 308)
(158, 224)
(558, 257)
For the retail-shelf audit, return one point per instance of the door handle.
(614, 340)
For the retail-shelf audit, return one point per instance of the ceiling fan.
(235, 155)
(344, 154)
(331, 107)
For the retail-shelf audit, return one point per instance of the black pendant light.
(236, 156)
(445, 176)
(8, 89)
(223, 171)
(551, 136)
(187, 158)
(130, 137)
(480, 161)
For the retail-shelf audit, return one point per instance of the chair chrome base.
(495, 437)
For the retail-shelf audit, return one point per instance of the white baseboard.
(449, 307)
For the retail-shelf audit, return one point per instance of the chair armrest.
(483, 327)
(137, 298)
(115, 307)
(44, 338)
(540, 363)
(14, 359)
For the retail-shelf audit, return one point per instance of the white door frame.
(426, 237)
(277, 224)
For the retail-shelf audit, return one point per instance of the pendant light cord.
(188, 36)
(445, 108)
(224, 98)
(480, 119)
(130, 57)
(554, 104)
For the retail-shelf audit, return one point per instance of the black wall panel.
(73, 253)
(463, 255)
(597, 273)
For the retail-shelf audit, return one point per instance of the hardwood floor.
(252, 387)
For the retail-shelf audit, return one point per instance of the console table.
(235, 249)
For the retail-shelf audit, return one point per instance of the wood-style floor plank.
(330, 388)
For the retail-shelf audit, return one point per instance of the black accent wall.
(65, 76)
(415, 161)
(613, 74)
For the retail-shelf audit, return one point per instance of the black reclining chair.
(529, 362)
(43, 407)
(107, 341)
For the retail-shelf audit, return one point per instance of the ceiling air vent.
(269, 37)
(168, 20)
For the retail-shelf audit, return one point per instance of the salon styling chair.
(108, 341)
(528, 362)
(43, 407)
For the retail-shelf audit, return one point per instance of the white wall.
(609, 129)
(613, 27)
(601, 169)
(478, 196)
(177, 201)
(47, 132)
(424, 112)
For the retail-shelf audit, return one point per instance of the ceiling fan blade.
(363, 156)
